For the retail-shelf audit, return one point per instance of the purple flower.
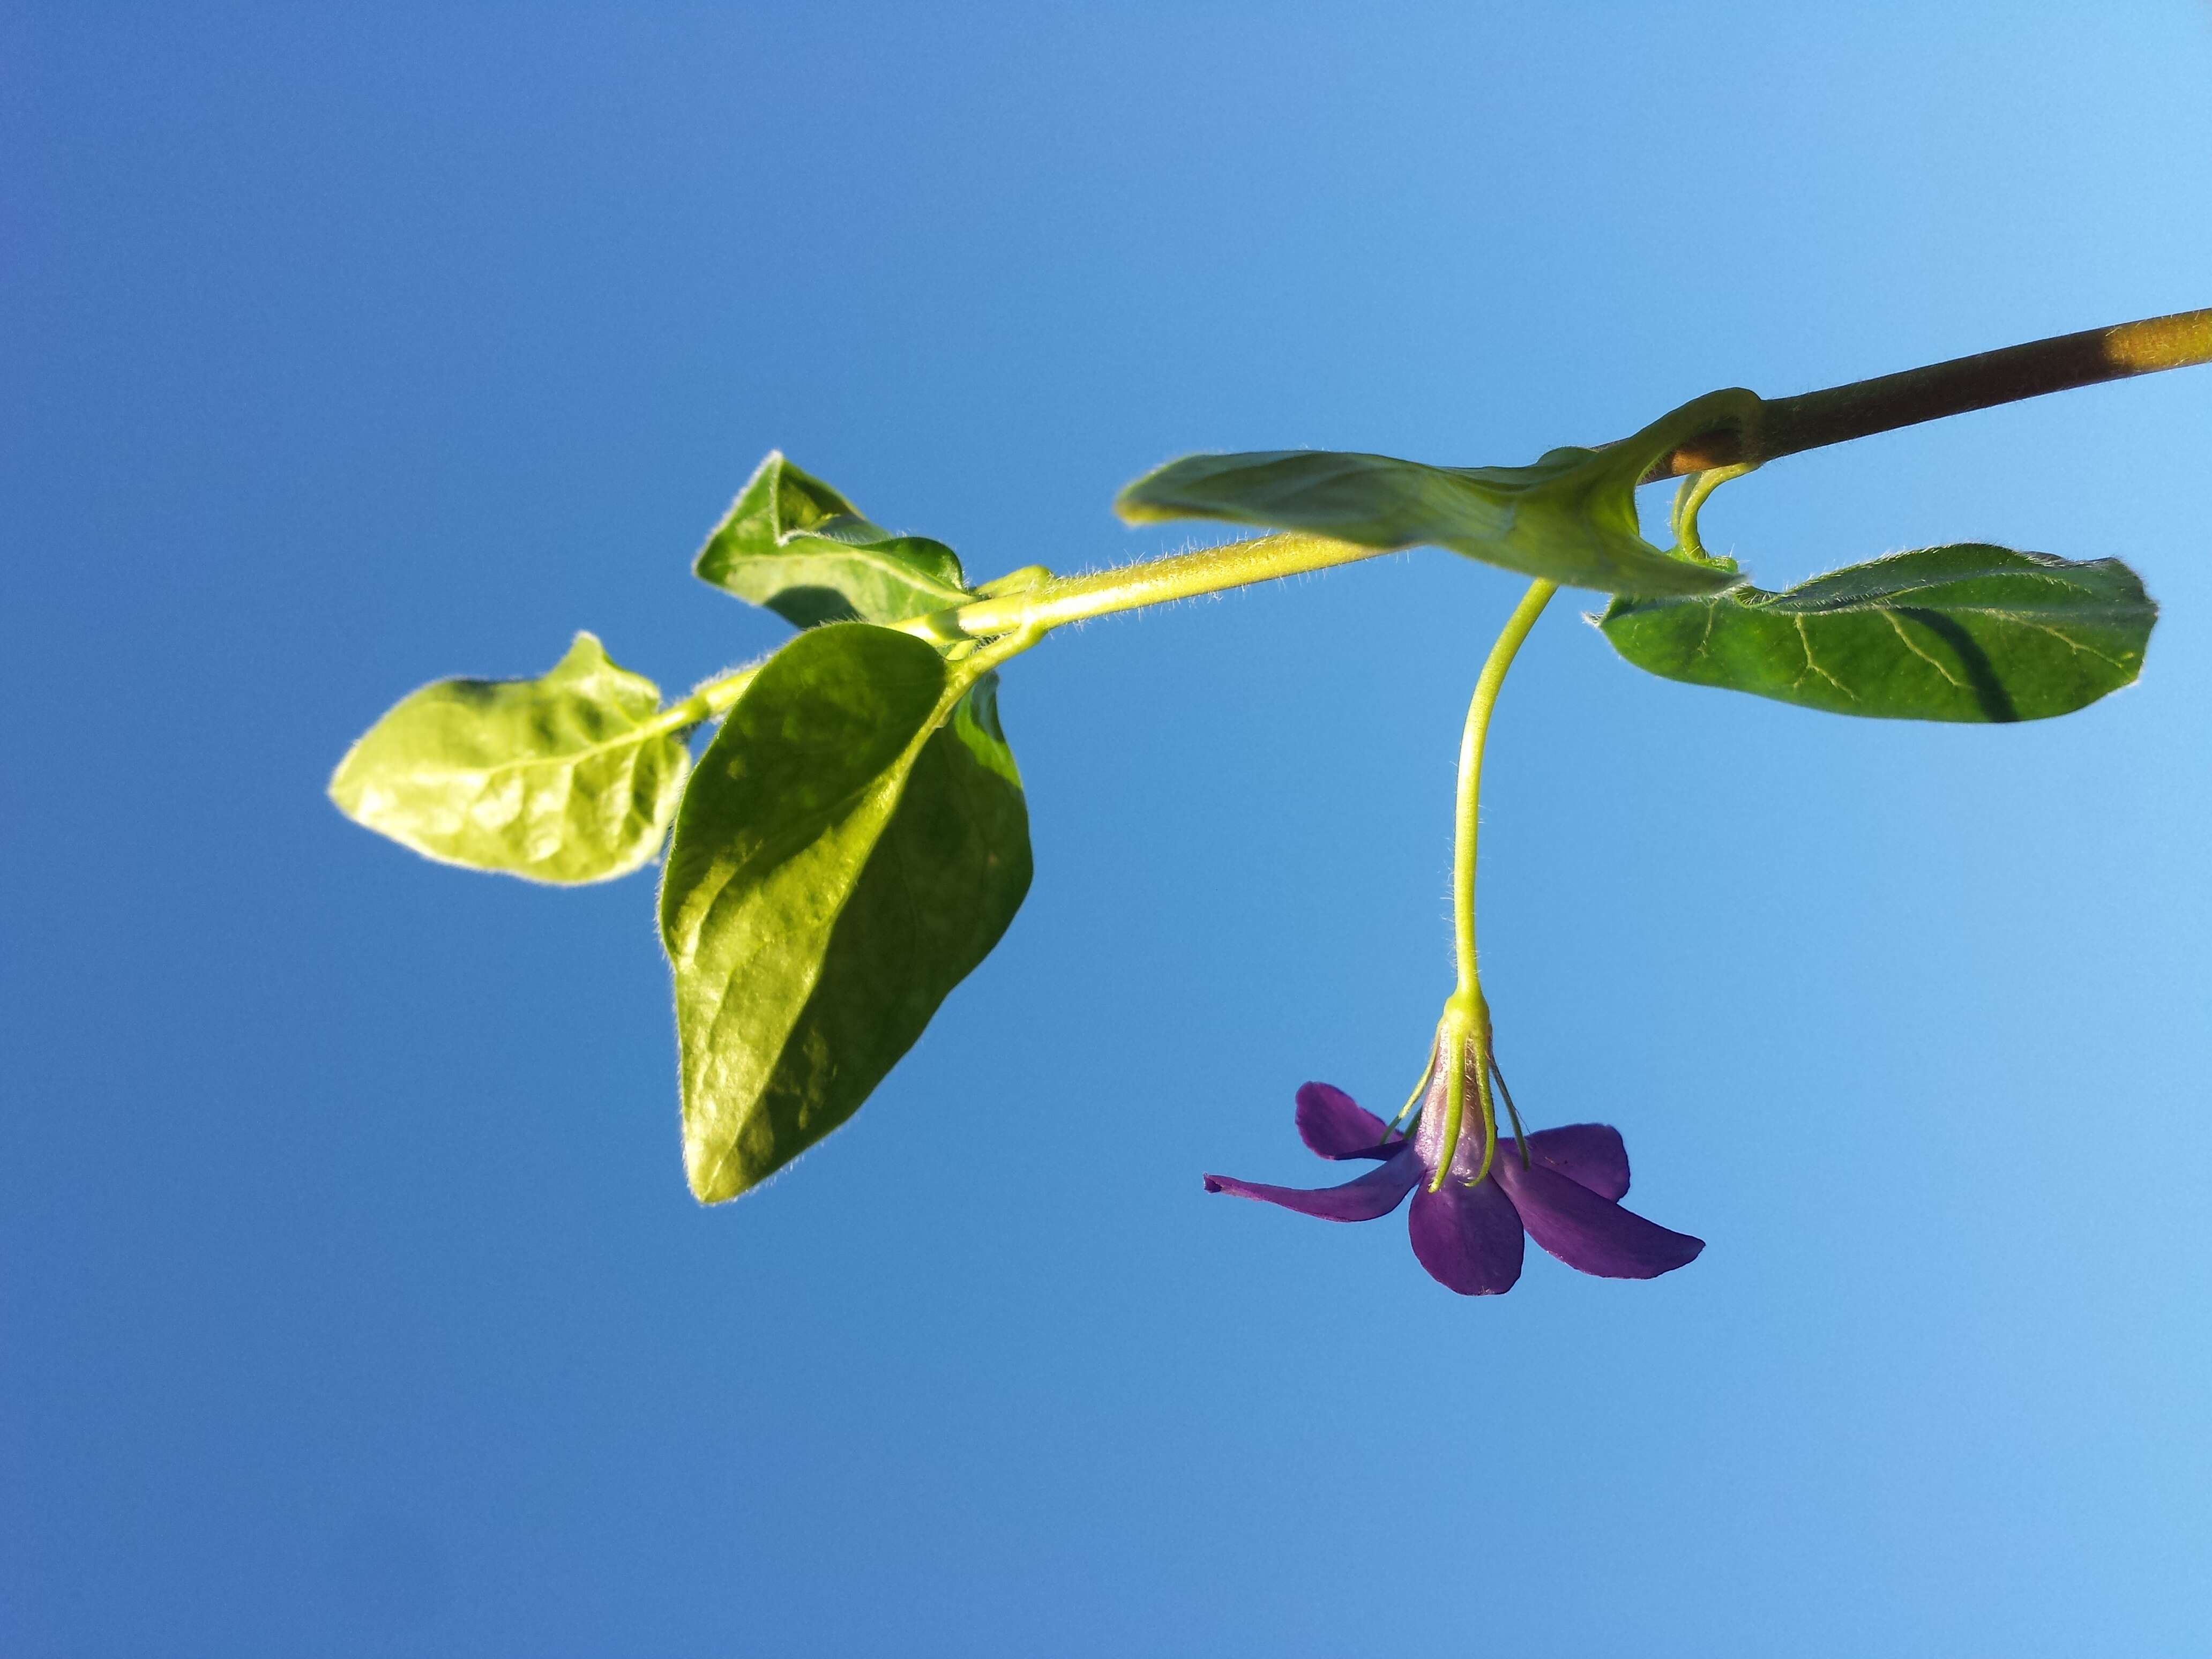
(1469, 1238)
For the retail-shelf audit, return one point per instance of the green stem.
(1466, 1023)
(1046, 604)
(1691, 498)
(1156, 581)
(716, 698)
(1467, 818)
(1785, 425)
(713, 700)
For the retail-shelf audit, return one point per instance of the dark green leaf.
(1964, 633)
(853, 842)
(792, 543)
(570, 778)
(1570, 517)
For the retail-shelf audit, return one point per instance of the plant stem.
(711, 701)
(1814, 420)
(1160, 581)
(1467, 820)
(1466, 1022)
(1783, 426)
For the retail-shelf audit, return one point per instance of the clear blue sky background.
(353, 1301)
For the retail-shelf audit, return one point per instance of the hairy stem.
(714, 699)
(1161, 582)
(1782, 426)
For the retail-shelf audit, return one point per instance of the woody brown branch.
(1813, 420)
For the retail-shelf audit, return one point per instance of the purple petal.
(1467, 1237)
(1374, 1194)
(1589, 1233)
(1588, 1154)
(1335, 1124)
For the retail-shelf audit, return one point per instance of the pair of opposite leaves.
(850, 845)
(855, 840)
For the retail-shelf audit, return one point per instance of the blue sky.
(352, 1301)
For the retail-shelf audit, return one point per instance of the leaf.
(570, 778)
(1969, 632)
(853, 842)
(1570, 517)
(792, 543)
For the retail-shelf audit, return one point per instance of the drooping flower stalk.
(1465, 1025)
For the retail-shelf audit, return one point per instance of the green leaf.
(570, 778)
(1964, 633)
(853, 842)
(1570, 519)
(792, 543)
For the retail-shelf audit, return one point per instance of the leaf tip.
(586, 650)
(715, 1174)
(1133, 508)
